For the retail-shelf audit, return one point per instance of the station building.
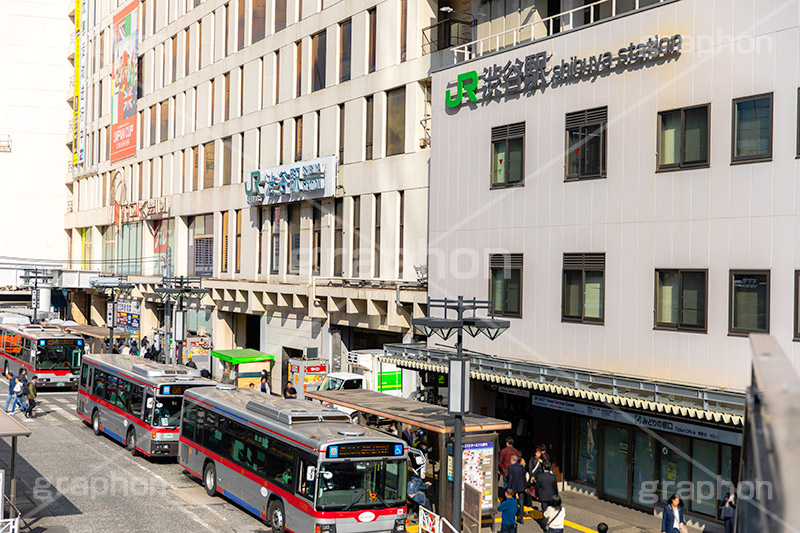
(620, 179)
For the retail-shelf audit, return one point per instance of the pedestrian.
(517, 482)
(554, 516)
(505, 459)
(672, 519)
(727, 511)
(440, 400)
(252, 386)
(546, 486)
(602, 527)
(417, 490)
(264, 385)
(31, 397)
(12, 380)
(393, 429)
(204, 373)
(134, 348)
(19, 394)
(126, 349)
(115, 348)
(289, 392)
(408, 435)
(23, 376)
(508, 513)
(144, 343)
(191, 364)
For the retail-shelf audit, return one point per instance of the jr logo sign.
(467, 83)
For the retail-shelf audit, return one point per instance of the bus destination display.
(364, 449)
(176, 390)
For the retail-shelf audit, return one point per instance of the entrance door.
(643, 469)
(615, 462)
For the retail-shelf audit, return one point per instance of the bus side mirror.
(311, 473)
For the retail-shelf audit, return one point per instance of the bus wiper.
(355, 500)
(381, 499)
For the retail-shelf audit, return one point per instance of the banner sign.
(644, 421)
(76, 81)
(125, 76)
(304, 180)
(82, 80)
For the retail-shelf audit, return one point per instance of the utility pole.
(34, 275)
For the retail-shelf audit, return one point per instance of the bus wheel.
(210, 479)
(277, 518)
(131, 441)
(96, 423)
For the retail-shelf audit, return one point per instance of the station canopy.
(427, 416)
(96, 332)
(243, 355)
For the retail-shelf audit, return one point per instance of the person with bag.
(554, 516)
(19, 393)
(30, 393)
(672, 519)
(727, 511)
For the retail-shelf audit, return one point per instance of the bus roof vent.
(351, 432)
(226, 386)
(153, 370)
(295, 415)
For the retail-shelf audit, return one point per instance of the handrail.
(476, 48)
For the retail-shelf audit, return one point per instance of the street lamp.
(458, 388)
(111, 287)
(175, 289)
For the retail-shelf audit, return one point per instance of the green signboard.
(389, 381)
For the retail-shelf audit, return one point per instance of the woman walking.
(554, 516)
(672, 520)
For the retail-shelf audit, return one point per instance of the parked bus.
(46, 351)
(135, 401)
(299, 467)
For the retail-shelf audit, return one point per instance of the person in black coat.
(518, 482)
(408, 435)
(546, 486)
(727, 511)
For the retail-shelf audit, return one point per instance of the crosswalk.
(51, 408)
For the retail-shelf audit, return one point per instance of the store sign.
(644, 421)
(522, 393)
(144, 209)
(127, 318)
(304, 180)
(525, 76)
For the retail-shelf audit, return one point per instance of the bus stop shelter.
(10, 427)
(95, 336)
(480, 440)
(245, 364)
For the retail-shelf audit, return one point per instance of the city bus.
(45, 351)
(135, 401)
(300, 467)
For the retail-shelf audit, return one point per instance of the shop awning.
(243, 355)
(580, 394)
(419, 414)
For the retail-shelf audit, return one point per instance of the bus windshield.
(59, 357)
(374, 484)
(165, 412)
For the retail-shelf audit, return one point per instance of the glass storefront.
(587, 450)
(615, 462)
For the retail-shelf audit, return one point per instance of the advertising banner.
(124, 92)
(77, 82)
(81, 80)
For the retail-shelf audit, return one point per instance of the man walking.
(508, 511)
(505, 459)
(31, 396)
(517, 482)
(11, 382)
(546, 486)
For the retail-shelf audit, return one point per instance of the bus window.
(213, 436)
(198, 433)
(75, 357)
(189, 420)
(305, 486)
(123, 394)
(136, 400)
(85, 376)
(111, 390)
(99, 383)
(25, 354)
(280, 463)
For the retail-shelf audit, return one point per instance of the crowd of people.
(21, 393)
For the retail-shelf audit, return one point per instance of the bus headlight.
(325, 528)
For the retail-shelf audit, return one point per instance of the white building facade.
(624, 187)
(324, 104)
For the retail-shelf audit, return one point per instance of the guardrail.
(566, 20)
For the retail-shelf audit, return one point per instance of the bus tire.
(276, 516)
(96, 423)
(130, 441)
(210, 479)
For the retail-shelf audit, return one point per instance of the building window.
(195, 167)
(275, 245)
(109, 249)
(372, 16)
(318, 147)
(225, 239)
(584, 288)
(212, 101)
(683, 138)
(208, 165)
(345, 48)
(280, 142)
(227, 96)
(377, 254)
(318, 53)
(338, 236)
(240, 28)
(749, 302)
(403, 29)
(681, 299)
(201, 245)
(341, 134)
(261, 223)
(280, 14)
(586, 144)
(174, 52)
(186, 49)
(370, 118)
(316, 224)
(259, 19)
(164, 121)
(401, 237)
(505, 284)
(298, 139)
(396, 121)
(796, 305)
(227, 30)
(277, 71)
(508, 155)
(299, 81)
(227, 158)
(152, 125)
(238, 256)
(356, 235)
(294, 238)
(752, 128)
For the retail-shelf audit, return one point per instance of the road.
(90, 483)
